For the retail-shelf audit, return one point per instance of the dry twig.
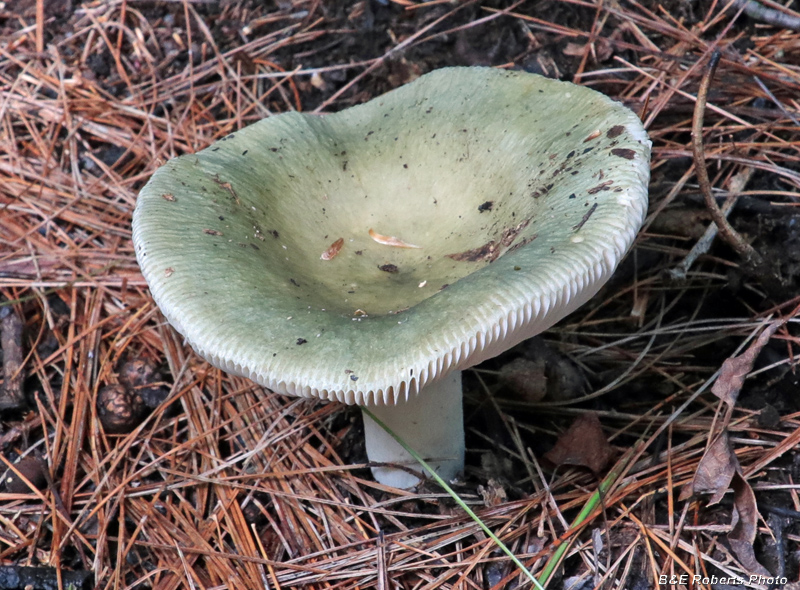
(226, 484)
(730, 235)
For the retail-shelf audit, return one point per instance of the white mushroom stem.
(430, 422)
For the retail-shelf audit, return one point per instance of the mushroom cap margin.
(381, 359)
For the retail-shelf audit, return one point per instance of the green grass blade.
(458, 500)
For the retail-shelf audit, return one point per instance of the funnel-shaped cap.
(359, 255)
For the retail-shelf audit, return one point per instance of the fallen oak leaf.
(718, 471)
(715, 471)
(735, 369)
(719, 468)
(745, 526)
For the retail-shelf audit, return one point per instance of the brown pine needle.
(225, 484)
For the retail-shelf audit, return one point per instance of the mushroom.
(369, 256)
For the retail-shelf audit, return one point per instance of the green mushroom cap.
(360, 255)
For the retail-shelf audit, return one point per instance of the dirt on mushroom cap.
(422, 172)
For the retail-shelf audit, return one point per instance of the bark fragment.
(11, 395)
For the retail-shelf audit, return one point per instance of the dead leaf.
(565, 380)
(584, 444)
(734, 370)
(718, 471)
(334, 249)
(719, 468)
(715, 471)
(526, 378)
(390, 240)
(402, 71)
(745, 525)
(493, 494)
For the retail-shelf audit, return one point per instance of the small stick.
(758, 11)
(737, 185)
(753, 263)
(11, 395)
(730, 235)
